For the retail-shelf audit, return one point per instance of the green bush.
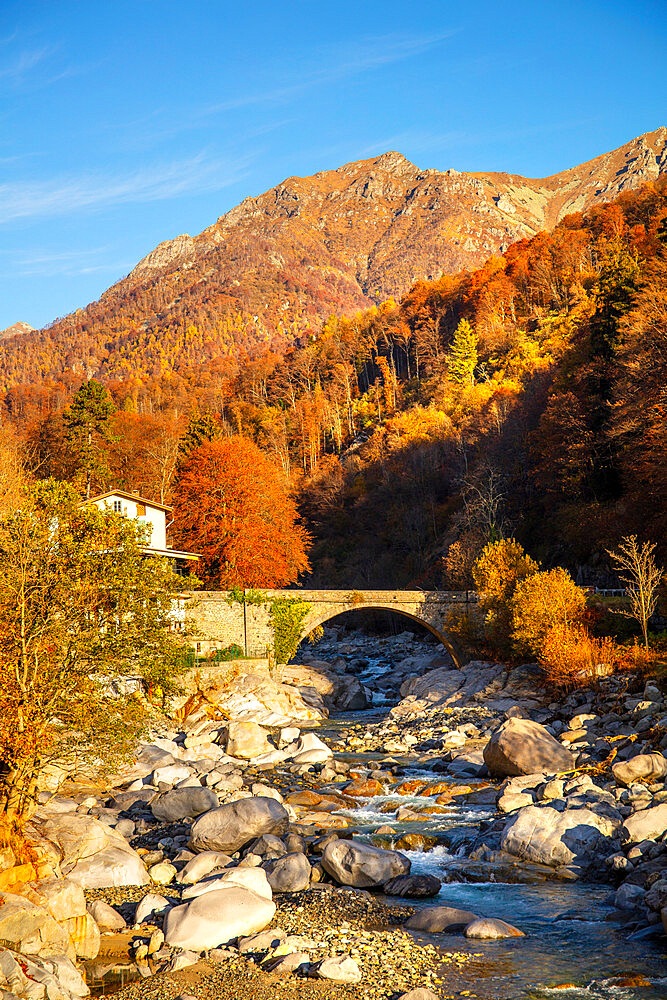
(286, 617)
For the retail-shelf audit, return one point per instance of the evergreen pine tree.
(201, 427)
(87, 426)
(463, 355)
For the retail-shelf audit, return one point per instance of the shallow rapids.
(572, 948)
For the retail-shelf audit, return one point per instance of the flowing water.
(572, 948)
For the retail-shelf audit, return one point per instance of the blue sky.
(127, 122)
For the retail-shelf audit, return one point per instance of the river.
(572, 947)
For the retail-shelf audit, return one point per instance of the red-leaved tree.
(232, 506)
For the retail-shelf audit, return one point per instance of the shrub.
(286, 618)
(636, 659)
(497, 571)
(233, 652)
(540, 603)
(572, 657)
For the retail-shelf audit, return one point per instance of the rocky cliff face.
(385, 223)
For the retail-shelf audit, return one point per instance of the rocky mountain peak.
(271, 269)
(16, 330)
(166, 255)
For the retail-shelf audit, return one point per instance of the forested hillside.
(525, 397)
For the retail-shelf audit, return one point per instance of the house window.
(118, 506)
(141, 510)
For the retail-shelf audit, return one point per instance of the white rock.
(112, 866)
(150, 904)
(62, 897)
(162, 873)
(202, 865)
(647, 824)
(362, 865)
(216, 918)
(30, 928)
(170, 774)
(231, 826)
(341, 969)
(258, 788)
(105, 916)
(550, 837)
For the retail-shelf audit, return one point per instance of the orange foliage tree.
(232, 506)
(542, 602)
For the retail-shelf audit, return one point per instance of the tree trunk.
(18, 793)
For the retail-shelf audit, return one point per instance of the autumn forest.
(525, 398)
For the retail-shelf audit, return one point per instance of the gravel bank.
(333, 922)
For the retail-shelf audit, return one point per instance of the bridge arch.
(317, 617)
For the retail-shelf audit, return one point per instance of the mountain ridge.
(272, 269)
(394, 162)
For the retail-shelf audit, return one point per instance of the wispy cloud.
(74, 193)
(67, 263)
(335, 64)
(416, 141)
(23, 63)
(330, 65)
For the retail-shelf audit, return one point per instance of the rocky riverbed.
(443, 829)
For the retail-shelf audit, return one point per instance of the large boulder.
(55, 977)
(651, 766)
(361, 865)
(78, 836)
(434, 685)
(106, 916)
(84, 935)
(524, 747)
(62, 897)
(338, 691)
(235, 824)
(152, 904)
(491, 929)
(183, 803)
(413, 886)
(546, 836)
(256, 696)
(170, 774)
(202, 865)
(216, 918)
(94, 855)
(435, 919)
(247, 740)
(646, 824)
(290, 873)
(113, 866)
(29, 928)
(309, 749)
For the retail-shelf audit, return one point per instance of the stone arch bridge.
(218, 622)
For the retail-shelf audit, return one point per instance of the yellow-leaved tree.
(80, 608)
(501, 566)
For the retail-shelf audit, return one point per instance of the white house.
(154, 515)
